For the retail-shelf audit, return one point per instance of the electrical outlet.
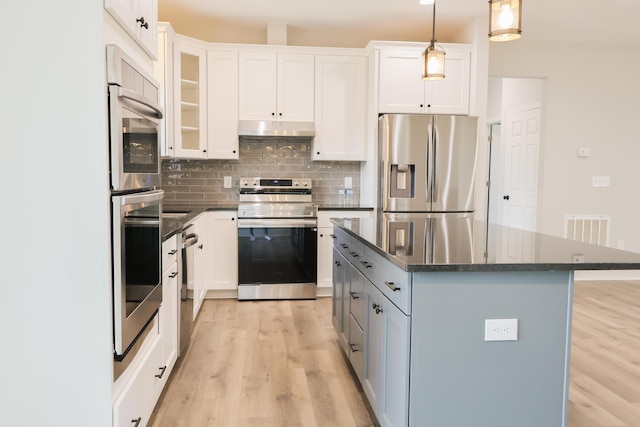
(227, 182)
(348, 182)
(501, 329)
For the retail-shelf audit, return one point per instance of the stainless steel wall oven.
(277, 239)
(136, 204)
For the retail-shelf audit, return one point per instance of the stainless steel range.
(277, 239)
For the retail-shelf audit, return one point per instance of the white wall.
(55, 361)
(592, 101)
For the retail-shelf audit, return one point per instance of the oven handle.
(277, 223)
(189, 240)
(137, 98)
(138, 198)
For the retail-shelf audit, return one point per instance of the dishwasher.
(189, 240)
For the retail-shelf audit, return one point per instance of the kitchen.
(48, 299)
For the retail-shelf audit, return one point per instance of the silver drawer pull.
(161, 374)
(354, 295)
(354, 254)
(377, 308)
(353, 348)
(366, 264)
(392, 286)
(174, 274)
(136, 421)
(344, 245)
(338, 263)
(173, 252)
(333, 236)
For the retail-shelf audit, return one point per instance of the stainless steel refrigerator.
(427, 163)
(427, 169)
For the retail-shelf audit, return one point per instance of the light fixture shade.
(433, 63)
(505, 20)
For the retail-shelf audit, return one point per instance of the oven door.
(134, 140)
(137, 269)
(279, 254)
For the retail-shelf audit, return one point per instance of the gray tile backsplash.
(200, 182)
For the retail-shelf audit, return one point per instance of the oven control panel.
(275, 183)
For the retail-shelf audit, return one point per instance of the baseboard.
(606, 275)
(221, 294)
(324, 291)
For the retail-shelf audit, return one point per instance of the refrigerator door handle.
(430, 163)
(435, 136)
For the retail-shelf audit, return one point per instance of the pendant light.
(433, 58)
(505, 18)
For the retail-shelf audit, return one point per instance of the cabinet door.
(340, 108)
(222, 105)
(190, 117)
(163, 72)
(386, 366)
(146, 18)
(295, 87)
(257, 86)
(223, 250)
(451, 95)
(200, 263)
(339, 264)
(401, 88)
(123, 12)
(325, 261)
(169, 318)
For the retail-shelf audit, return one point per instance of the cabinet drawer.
(170, 252)
(356, 347)
(140, 395)
(393, 282)
(356, 297)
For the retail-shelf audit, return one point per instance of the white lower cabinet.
(223, 253)
(136, 402)
(169, 309)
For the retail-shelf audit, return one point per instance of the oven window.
(142, 255)
(140, 145)
(277, 255)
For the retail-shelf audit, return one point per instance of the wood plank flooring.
(277, 363)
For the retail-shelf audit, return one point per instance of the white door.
(522, 147)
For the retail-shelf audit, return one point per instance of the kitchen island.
(452, 322)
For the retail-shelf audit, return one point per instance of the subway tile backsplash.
(201, 182)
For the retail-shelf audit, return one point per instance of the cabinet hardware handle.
(377, 308)
(280, 114)
(234, 151)
(173, 252)
(233, 219)
(353, 348)
(204, 151)
(506, 197)
(143, 24)
(200, 246)
(344, 246)
(161, 374)
(136, 421)
(322, 235)
(354, 295)
(318, 153)
(392, 286)
(354, 254)
(273, 114)
(174, 274)
(333, 236)
(338, 264)
(366, 264)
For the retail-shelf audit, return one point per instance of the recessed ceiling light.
(426, 2)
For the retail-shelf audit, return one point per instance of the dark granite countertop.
(457, 242)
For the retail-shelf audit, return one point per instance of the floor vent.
(592, 229)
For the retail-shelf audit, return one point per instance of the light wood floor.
(277, 363)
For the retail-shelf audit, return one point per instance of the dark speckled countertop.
(171, 226)
(452, 242)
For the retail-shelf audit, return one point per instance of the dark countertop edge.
(344, 208)
(539, 267)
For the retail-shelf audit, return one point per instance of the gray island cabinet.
(415, 315)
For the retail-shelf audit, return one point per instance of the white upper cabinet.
(276, 86)
(140, 19)
(222, 105)
(189, 101)
(402, 90)
(340, 108)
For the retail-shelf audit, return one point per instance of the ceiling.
(352, 23)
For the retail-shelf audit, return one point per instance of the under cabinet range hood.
(267, 128)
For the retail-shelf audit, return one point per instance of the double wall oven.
(136, 203)
(277, 239)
